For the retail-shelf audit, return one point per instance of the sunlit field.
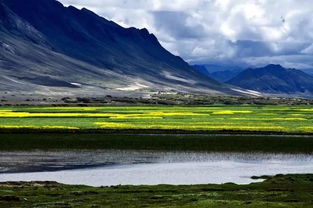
(285, 119)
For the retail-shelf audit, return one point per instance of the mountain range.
(51, 49)
(275, 79)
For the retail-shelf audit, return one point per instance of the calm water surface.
(106, 168)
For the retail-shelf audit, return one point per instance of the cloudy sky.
(231, 32)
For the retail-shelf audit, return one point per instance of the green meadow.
(281, 191)
(281, 119)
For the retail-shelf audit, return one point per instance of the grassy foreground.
(283, 119)
(292, 191)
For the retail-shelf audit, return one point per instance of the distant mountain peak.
(274, 66)
(275, 79)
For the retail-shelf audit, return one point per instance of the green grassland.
(289, 191)
(280, 119)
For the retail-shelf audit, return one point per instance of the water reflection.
(103, 168)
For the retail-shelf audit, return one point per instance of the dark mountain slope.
(219, 73)
(276, 80)
(45, 40)
(28, 63)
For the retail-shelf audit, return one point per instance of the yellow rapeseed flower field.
(289, 119)
(229, 112)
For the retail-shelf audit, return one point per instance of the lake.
(131, 167)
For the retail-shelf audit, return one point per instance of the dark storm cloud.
(176, 25)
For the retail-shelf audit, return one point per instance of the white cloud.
(212, 31)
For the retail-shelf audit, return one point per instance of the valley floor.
(174, 128)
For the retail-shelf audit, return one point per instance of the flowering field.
(290, 119)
